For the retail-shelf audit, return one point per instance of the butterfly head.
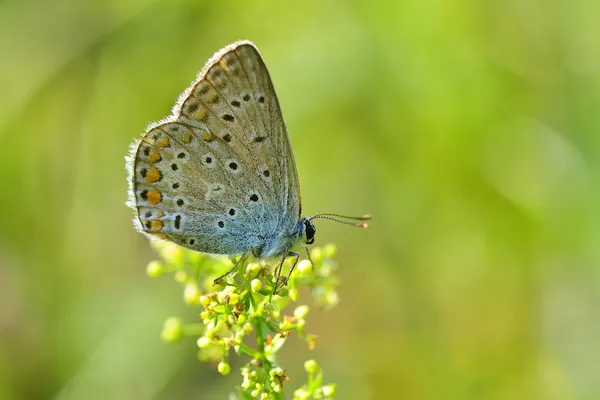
(309, 230)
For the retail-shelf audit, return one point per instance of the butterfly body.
(218, 175)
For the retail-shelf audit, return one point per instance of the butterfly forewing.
(272, 118)
(219, 174)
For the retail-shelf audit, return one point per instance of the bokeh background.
(469, 130)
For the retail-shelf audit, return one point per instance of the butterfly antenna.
(338, 218)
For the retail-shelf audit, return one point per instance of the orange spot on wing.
(186, 138)
(156, 226)
(154, 156)
(154, 197)
(153, 175)
(164, 142)
(207, 137)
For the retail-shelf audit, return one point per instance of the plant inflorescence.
(241, 315)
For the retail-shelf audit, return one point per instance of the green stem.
(260, 338)
(247, 350)
(259, 324)
(260, 333)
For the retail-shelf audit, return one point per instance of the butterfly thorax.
(284, 242)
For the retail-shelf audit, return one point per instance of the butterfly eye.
(310, 232)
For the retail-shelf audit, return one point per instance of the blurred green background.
(469, 130)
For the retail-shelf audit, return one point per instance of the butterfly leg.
(218, 280)
(279, 281)
(296, 257)
(309, 259)
(278, 272)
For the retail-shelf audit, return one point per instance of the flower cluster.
(242, 313)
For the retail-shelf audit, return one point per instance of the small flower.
(312, 341)
(332, 299)
(155, 269)
(204, 300)
(205, 314)
(181, 276)
(191, 294)
(246, 383)
(204, 342)
(172, 330)
(304, 267)
(301, 394)
(294, 294)
(311, 366)
(329, 250)
(227, 343)
(301, 312)
(223, 368)
(234, 298)
(253, 268)
(256, 285)
(169, 251)
(316, 255)
(329, 391)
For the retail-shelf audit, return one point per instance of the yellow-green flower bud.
(329, 250)
(191, 294)
(223, 368)
(311, 366)
(234, 298)
(304, 267)
(155, 269)
(204, 342)
(329, 391)
(301, 312)
(256, 285)
(172, 330)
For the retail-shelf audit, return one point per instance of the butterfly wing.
(219, 175)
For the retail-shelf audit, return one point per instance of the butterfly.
(218, 175)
